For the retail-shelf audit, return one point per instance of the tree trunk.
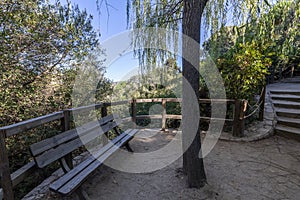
(191, 142)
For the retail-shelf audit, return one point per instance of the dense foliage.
(160, 82)
(277, 33)
(244, 54)
(243, 68)
(43, 45)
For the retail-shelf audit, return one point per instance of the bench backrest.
(56, 147)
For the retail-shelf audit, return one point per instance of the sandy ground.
(266, 169)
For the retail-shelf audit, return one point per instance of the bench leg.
(64, 165)
(117, 131)
(82, 195)
(128, 147)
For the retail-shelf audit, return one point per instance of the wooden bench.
(61, 146)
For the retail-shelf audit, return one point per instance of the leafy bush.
(243, 69)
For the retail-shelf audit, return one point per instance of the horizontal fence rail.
(31, 123)
(20, 127)
(9, 181)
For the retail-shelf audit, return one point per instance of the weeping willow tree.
(275, 32)
(168, 14)
(279, 32)
(185, 16)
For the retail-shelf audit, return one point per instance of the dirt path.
(267, 169)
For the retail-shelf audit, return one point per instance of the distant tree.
(84, 73)
(39, 41)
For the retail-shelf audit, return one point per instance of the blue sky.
(109, 25)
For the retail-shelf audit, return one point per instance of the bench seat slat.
(70, 181)
(66, 148)
(57, 184)
(73, 184)
(49, 143)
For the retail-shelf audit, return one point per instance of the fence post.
(239, 121)
(5, 178)
(65, 126)
(133, 112)
(104, 110)
(104, 114)
(262, 104)
(164, 113)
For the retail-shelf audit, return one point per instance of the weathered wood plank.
(66, 121)
(103, 111)
(104, 114)
(54, 154)
(149, 100)
(174, 116)
(67, 177)
(49, 143)
(31, 123)
(173, 99)
(5, 179)
(133, 112)
(65, 148)
(83, 109)
(100, 131)
(28, 124)
(83, 175)
(127, 119)
(262, 104)
(180, 100)
(164, 113)
(66, 136)
(65, 126)
(239, 121)
(216, 119)
(22, 173)
(216, 100)
(148, 116)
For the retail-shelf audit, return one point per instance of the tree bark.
(193, 164)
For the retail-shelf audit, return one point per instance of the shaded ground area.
(266, 169)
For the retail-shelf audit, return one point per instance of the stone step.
(291, 80)
(288, 132)
(287, 97)
(288, 112)
(287, 121)
(286, 104)
(292, 92)
(297, 81)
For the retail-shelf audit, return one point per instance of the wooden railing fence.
(9, 181)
